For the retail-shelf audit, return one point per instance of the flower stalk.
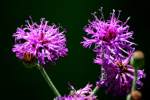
(48, 80)
(134, 80)
(136, 62)
(133, 84)
(95, 90)
(101, 78)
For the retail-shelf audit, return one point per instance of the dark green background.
(20, 83)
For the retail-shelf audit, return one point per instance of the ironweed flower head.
(81, 94)
(119, 76)
(109, 37)
(42, 42)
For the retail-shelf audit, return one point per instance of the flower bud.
(137, 59)
(136, 95)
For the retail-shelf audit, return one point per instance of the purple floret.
(112, 42)
(119, 76)
(108, 37)
(81, 94)
(41, 41)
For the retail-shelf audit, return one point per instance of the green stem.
(128, 97)
(102, 77)
(95, 90)
(134, 80)
(97, 87)
(48, 80)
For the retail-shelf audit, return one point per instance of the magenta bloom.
(109, 37)
(81, 94)
(119, 76)
(42, 42)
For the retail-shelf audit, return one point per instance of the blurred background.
(20, 83)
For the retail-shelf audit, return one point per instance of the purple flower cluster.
(109, 37)
(119, 76)
(42, 42)
(112, 42)
(81, 94)
(113, 47)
